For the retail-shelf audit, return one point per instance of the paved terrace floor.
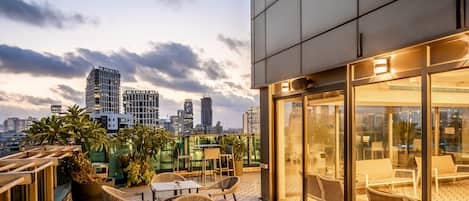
(249, 190)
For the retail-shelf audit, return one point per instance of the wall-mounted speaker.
(302, 83)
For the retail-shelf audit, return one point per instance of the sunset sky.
(181, 48)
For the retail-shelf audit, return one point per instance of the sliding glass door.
(289, 149)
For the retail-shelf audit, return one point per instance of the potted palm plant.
(75, 128)
(238, 146)
(145, 144)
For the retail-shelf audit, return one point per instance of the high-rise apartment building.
(188, 117)
(143, 105)
(56, 110)
(102, 90)
(206, 112)
(251, 121)
(15, 124)
(177, 122)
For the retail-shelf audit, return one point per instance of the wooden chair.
(374, 195)
(211, 155)
(226, 186)
(333, 190)
(113, 194)
(194, 197)
(314, 187)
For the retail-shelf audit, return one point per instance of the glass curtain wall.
(289, 149)
(388, 137)
(450, 125)
(324, 139)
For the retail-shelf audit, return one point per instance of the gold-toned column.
(49, 183)
(390, 134)
(437, 131)
(32, 189)
(337, 142)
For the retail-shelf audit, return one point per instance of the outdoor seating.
(167, 177)
(113, 194)
(380, 172)
(212, 155)
(374, 195)
(229, 168)
(193, 198)
(333, 190)
(314, 187)
(226, 186)
(377, 148)
(443, 167)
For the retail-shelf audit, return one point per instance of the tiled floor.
(249, 190)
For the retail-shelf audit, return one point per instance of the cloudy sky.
(181, 48)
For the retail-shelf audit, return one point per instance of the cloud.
(234, 44)
(41, 15)
(175, 4)
(17, 60)
(214, 70)
(69, 93)
(33, 100)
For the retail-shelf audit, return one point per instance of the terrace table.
(173, 186)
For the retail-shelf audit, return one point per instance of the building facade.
(347, 87)
(206, 113)
(57, 110)
(251, 121)
(143, 105)
(177, 122)
(113, 122)
(188, 117)
(17, 125)
(103, 91)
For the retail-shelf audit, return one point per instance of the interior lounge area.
(396, 124)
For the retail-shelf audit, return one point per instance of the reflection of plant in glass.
(406, 132)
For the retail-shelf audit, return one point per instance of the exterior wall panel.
(259, 37)
(406, 22)
(319, 15)
(265, 142)
(259, 73)
(330, 50)
(259, 6)
(283, 25)
(368, 5)
(284, 65)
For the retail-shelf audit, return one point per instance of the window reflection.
(289, 151)
(388, 136)
(450, 119)
(324, 130)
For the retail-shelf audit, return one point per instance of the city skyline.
(178, 59)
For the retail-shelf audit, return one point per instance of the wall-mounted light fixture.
(381, 66)
(285, 86)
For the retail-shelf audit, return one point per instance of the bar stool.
(187, 162)
(229, 168)
(211, 155)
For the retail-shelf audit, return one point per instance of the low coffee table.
(173, 186)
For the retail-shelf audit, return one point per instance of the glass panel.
(289, 151)
(324, 130)
(388, 133)
(450, 112)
